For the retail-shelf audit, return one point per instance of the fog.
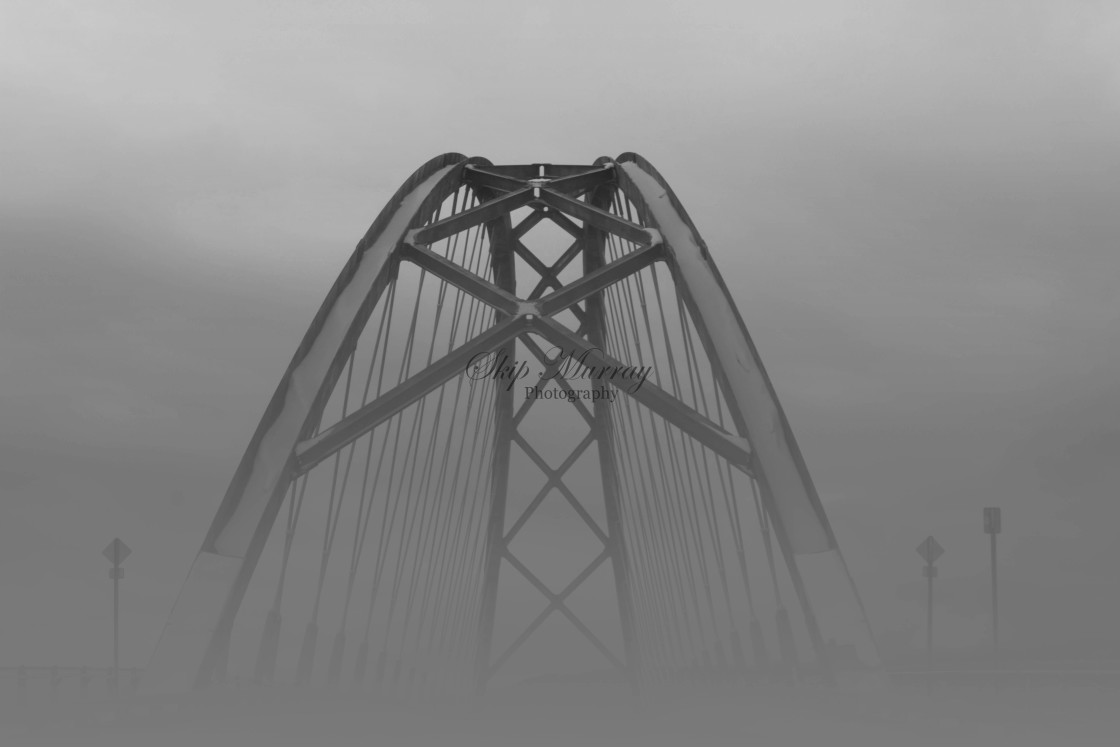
(912, 206)
(980, 714)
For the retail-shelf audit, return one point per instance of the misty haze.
(537, 374)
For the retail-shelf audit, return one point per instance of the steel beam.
(311, 451)
(550, 279)
(487, 211)
(558, 604)
(527, 223)
(538, 170)
(574, 181)
(461, 278)
(599, 218)
(552, 606)
(480, 178)
(559, 484)
(582, 182)
(732, 448)
(599, 279)
(540, 355)
(522, 171)
(553, 481)
(563, 222)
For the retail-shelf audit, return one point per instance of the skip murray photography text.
(559, 364)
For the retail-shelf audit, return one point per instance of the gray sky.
(914, 205)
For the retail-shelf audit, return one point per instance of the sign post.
(930, 551)
(116, 552)
(992, 526)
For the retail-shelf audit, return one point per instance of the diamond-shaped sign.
(930, 550)
(116, 552)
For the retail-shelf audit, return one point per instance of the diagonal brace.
(563, 222)
(550, 277)
(601, 219)
(559, 605)
(549, 609)
(734, 449)
(540, 355)
(477, 215)
(600, 279)
(461, 278)
(553, 481)
(310, 452)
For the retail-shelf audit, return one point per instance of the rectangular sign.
(991, 520)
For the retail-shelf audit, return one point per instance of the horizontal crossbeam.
(573, 183)
(577, 183)
(561, 170)
(482, 178)
(539, 170)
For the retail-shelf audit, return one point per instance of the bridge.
(527, 407)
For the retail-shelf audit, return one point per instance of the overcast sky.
(915, 205)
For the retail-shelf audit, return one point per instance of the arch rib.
(192, 647)
(787, 489)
